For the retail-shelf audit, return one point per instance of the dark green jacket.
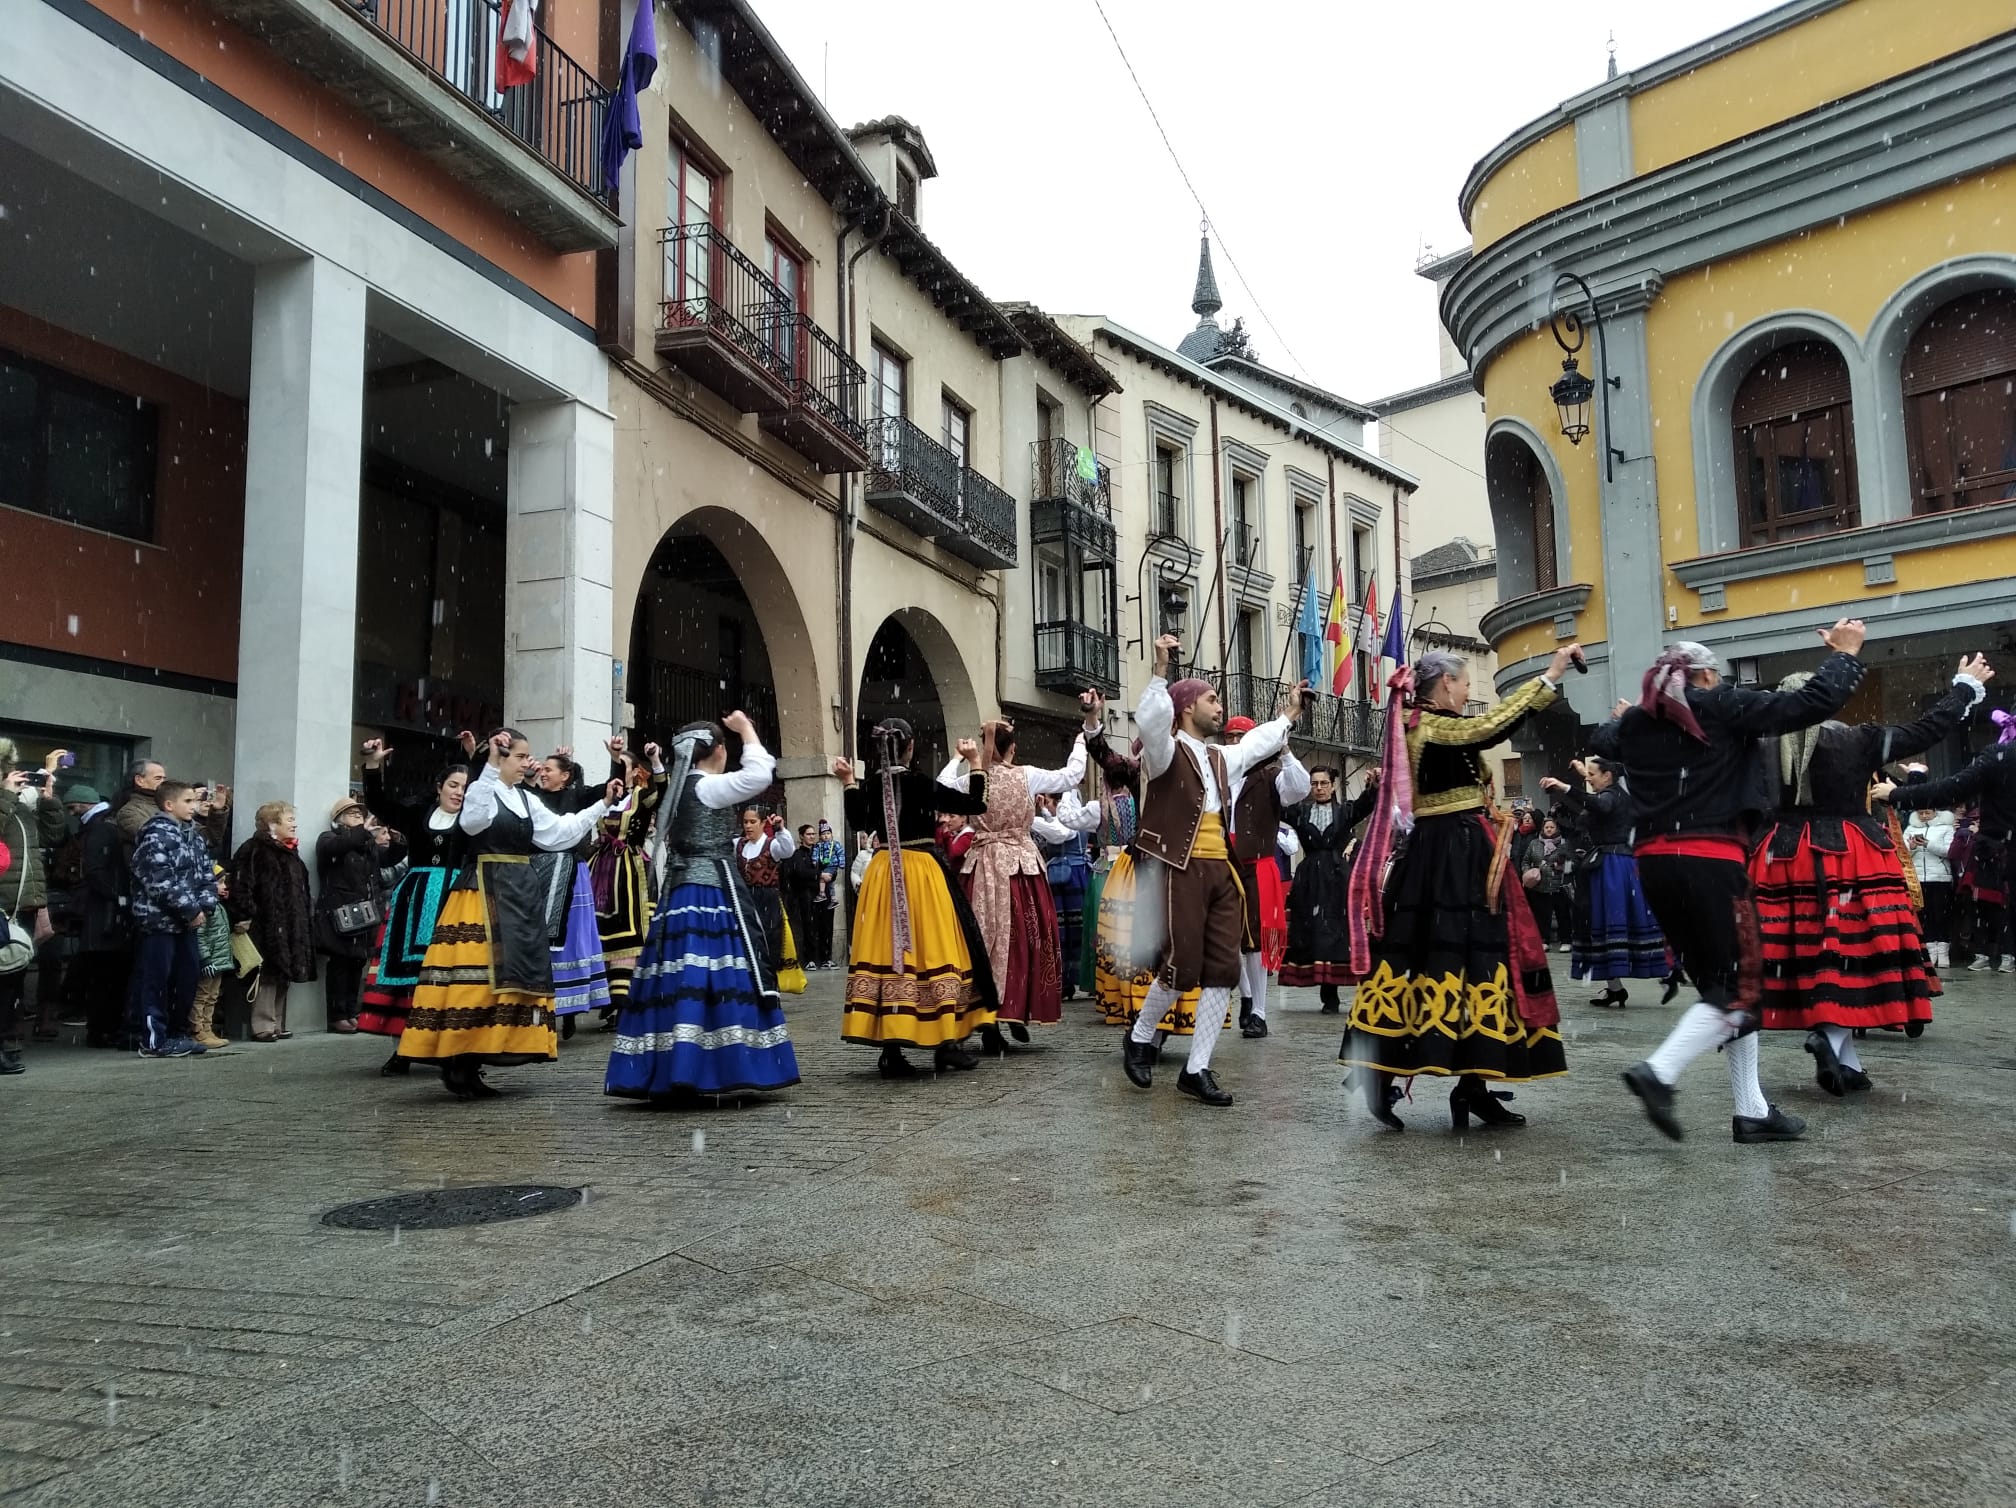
(37, 829)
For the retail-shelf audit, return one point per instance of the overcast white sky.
(1327, 139)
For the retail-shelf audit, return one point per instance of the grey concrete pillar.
(558, 600)
(1633, 574)
(297, 620)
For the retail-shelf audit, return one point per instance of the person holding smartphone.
(32, 822)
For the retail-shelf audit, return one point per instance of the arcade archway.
(913, 670)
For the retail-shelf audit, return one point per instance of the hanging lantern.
(1571, 393)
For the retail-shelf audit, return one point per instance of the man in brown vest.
(1186, 876)
(1259, 797)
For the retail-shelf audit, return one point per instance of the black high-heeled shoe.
(396, 1066)
(1018, 1031)
(478, 1090)
(952, 1055)
(1472, 1096)
(993, 1043)
(1827, 1070)
(456, 1079)
(1381, 1095)
(1612, 1000)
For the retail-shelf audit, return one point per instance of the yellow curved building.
(1800, 236)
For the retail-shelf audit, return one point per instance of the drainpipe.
(849, 514)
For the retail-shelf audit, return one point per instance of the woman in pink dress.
(1005, 879)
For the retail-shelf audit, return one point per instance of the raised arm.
(1155, 716)
(1762, 712)
(783, 845)
(1077, 814)
(1934, 723)
(479, 802)
(745, 782)
(1494, 726)
(1292, 783)
(1057, 782)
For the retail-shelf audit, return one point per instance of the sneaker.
(1982, 964)
(174, 1047)
(190, 1047)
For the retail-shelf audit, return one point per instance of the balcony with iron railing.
(1068, 506)
(823, 420)
(1331, 721)
(1072, 657)
(722, 321)
(923, 485)
(425, 72)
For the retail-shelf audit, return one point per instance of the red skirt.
(1031, 978)
(1841, 945)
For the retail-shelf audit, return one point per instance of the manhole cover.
(437, 1209)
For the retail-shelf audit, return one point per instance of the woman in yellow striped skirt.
(486, 985)
(918, 974)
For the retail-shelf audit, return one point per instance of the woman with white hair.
(1454, 976)
(1841, 946)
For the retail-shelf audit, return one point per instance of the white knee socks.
(1749, 1094)
(1153, 1009)
(1842, 1040)
(1253, 982)
(1210, 1021)
(1700, 1029)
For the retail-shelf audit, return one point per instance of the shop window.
(1960, 403)
(74, 450)
(1794, 435)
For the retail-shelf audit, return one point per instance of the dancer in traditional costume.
(761, 849)
(703, 1015)
(1062, 827)
(1454, 973)
(485, 994)
(580, 977)
(917, 975)
(620, 876)
(1005, 880)
(436, 849)
(1991, 857)
(1188, 886)
(1261, 795)
(1319, 926)
(1616, 935)
(1690, 745)
(1123, 973)
(1841, 945)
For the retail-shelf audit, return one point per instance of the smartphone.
(66, 760)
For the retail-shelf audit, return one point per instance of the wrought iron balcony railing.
(1069, 507)
(1168, 516)
(1330, 720)
(986, 533)
(724, 321)
(823, 421)
(1073, 656)
(558, 114)
(1244, 545)
(911, 477)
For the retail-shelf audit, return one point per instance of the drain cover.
(438, 1209)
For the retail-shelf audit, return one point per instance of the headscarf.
(2006, 721)
(1240, 725)
(891, 741)
(1663, 692)
(1183, 695)
(675, 792)
(1392, 814)
(1796, 749)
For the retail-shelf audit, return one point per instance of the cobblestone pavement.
(1029, 1284)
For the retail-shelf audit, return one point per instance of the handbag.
(18, 949)
(355, 917)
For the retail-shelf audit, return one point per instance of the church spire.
(1206, 301)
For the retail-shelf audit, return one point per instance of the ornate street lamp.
(1572, 390)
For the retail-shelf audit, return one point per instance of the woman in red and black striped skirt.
(1841, 944)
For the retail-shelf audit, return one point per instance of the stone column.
(297, 618)
(1634, 587)
(557, 600)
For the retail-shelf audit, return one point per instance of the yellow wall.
(1515, 386)
(1538, 179)
(1847, 271)
(1834, 54)
(1917, 571)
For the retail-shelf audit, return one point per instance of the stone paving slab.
(1027, 1284)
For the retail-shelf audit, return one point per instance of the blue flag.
(1394, 647)
(622, 129)
(1310, 626)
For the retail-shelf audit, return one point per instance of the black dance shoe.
(1777, 1126)
(567, 1026)
(1331, 1003)
(1381, 1095)
(1655, 1096)
(1827, 1070)
(1201, 1087)
(1138, 1058)
(1914, 1030)
(952, 1055)
(895, 1066)
(1161, 1041)
(1018, 1031)
(1672, 983)
(396, 1066)
(1854, 1080)
(992, 1042)
(1253, 1026)
(1611, 1000)
(478, 1090)
(1245, 1010)
(1472, 1096)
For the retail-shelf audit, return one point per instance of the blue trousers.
(168, 966)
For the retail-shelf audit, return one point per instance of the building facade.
(1796, 237)
(305, 428)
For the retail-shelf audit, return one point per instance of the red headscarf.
(1663, 692)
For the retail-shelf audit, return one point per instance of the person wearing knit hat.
(1260, 797)
(1186, 876)
(1690, 744)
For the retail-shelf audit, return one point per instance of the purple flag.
(622, 131)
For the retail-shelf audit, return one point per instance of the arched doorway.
(716, 627)
(1522, 516)
(913, 670)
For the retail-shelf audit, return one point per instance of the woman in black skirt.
(1454, 975)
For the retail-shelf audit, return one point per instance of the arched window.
(1795, 445)
(1960, 403)
(1522, 516)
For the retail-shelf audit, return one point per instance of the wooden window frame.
(1958, 370)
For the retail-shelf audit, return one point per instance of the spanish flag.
(1337, 634)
